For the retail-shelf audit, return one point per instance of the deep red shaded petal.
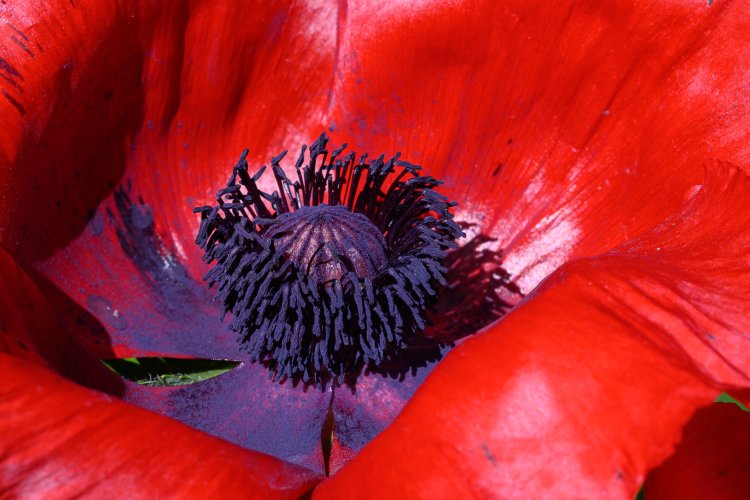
(131, 115)
(562, 128)
(53, 103)
(597, 138)
(20, 304)
(97, 93)
(63, 440)
(711, 461)
(586, 385)
(29, 329)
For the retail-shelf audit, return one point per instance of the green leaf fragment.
(168, 372)
(726, 398)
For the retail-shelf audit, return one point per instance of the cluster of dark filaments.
(333, 271)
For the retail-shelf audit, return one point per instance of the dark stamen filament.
(333, 271)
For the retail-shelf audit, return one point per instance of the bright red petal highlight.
(711, 461)
(574, 128)
(562, 128)
(61, 440)
(586, 385)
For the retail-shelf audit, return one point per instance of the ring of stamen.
(336, 269)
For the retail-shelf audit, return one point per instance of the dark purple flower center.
(334, 271)
(328, 242)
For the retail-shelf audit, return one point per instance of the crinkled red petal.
(120, 119)
(587, 384)
(562, 128)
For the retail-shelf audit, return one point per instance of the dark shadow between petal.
(64, 171)
(81, 342)
(478, 293)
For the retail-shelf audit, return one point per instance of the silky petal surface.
(562, 128)
(575, 127)
(586, 385)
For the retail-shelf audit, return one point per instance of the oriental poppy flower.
(602, 148)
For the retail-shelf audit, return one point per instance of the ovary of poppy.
(565, 130)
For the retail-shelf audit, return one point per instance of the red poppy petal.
(242, 406)
(131, 115)
(20, 305)
(562, 128)
(59, 438)
(62, 440)
(711, 461)
(586, 385)
(29, 329)
(165, 95)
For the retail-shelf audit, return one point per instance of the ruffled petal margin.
(587, 384)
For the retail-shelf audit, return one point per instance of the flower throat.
(335, 270)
